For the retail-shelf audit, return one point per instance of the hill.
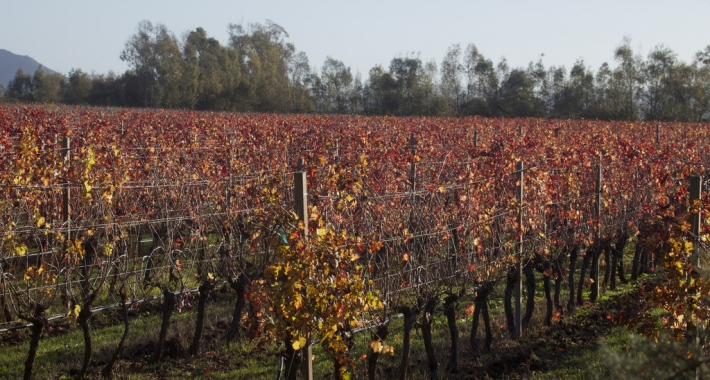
(10, 62)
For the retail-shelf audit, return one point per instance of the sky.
(90, 35)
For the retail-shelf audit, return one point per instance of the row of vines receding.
(403, 217)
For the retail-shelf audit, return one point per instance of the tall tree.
(517, 95)
(482, 84)
(662, 84)
(451, 80)
(78, 87)
(578, 97)
(300, 76)
(267, 58)
(213, 77)
(20, 87)
(47, 87)
(699, 87)
(337, 85)
(155, 59)
(624, 86)
(380, 93)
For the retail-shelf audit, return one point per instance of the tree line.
(259, 70)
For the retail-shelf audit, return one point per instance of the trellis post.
(519, 284)
(696, 183)
(598, 215)
(300, 196)
(413, 169)
(66, 209)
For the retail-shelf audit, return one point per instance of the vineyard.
(324, 227)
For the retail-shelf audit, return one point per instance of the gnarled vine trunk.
(582, 276)
(481, 309)
(84, 320)
(205, 290)
(427, 321)
(168, 307)
(107, 371)
(380, 335)
(529, 272)
(39, 322)
(450, 312)
(410, 315)
(240, 286)
(572, 265)
(548, 293)
(510, 283)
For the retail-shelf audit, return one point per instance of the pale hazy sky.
(91, 34)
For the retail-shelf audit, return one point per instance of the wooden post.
(519, 285)
(520, 130)
(696, 184)
(658, 134)
(228, 202)
(598, 216)
(300, 196)
(475, 139)
(413, 169)
(66, 209)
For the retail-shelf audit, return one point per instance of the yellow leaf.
(40, 221)
(299, 343)
(376, 346)
(321, 232)
(19, 250)
(298, 302)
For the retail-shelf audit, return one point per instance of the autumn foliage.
(402, 211)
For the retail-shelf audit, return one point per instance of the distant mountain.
(10, 62)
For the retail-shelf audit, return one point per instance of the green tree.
(109, 90)
(575, 97)
(699, 91)
(267, 56)
(155, 60)
(517, 96)
(451, 80)
(336, 83)
(380, 95)
(47, 88)
(622, 89)
(300, 76)
(540, 87)
(659, 100)
(78, 87)
(212, 77)
(482, 84)
(20, 87)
